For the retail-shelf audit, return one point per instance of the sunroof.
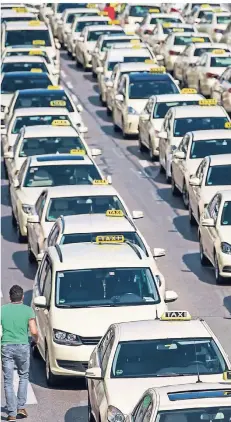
(205, 394)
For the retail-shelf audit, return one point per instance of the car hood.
(30, 195)
(93, 322)
(225, 234)
(125, 402)
(138, 105)
(6, 99)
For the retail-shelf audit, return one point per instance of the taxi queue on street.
(164, 76)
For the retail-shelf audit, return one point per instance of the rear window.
(161, 109)
(200, 51)
(181, 40)
(50, 145)
(154, 21)
(63, 6)
(81, 25)
(35, 121)
(28, 37)
(141, 11)
(29, 53)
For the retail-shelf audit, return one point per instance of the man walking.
(16, 318)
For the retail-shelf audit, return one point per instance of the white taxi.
(180, 120)
(119, 70)
(221, 89)
(216, 25)
(105, 43)
(131, 356)
(209, 67)
(150, 21)
(212, 175)
(111, 281)
(133, 93)
(182, 403)
(57, 11)
(133, 15)
(73, 33)
(186, 61)
(39, 172)
(215, 235)
(175, 44)
(152, 117)
(41, 140)
(86, 43)
(35, 63)
(135, 53)
(194, 147)
(188, 8)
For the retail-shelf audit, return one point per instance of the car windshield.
(23, 67)
(82, 205)
(107, 44)
(94, 35)
(167, 358)
(132, 237)
(226, 214)
(28, 37)
(219, 175)
(63, 6)
(182, 40)
(141, 11)
(129, 59)
(201, 149)
(223, 19)
(154, 21)
(80, 25)
(29, 53)
(184, 125)
(35, 121)
(50, 145)
(106, 287)
(12, 82)
(146, 88)
(218, 414)
(61, 175)
(220, 61)
(202, 50)
(48, 98)
(161, 109)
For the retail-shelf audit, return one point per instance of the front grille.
(72, 365)
(90, 341)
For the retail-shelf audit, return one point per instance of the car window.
(200, 170)
(107, 352)
(143, 410)
(53, 236)
(214, 207)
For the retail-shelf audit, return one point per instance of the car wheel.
(108, 111)
(21, 238)
(50, 378)
(203, 258)
(13, 220)
(185, 195)
(141, 145)
(125, 136)
(31, 257)
(218, 277)
(191, 216)
(151, 155)
(175, 190)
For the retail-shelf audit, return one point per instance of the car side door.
(36, 230)
(181, 164)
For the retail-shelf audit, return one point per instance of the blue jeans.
(15, 355)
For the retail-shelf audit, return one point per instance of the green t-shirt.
(14, 320)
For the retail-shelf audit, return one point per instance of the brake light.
(126, 20)
(218, 31)
(211, 75)
(148, 31)
(174, 53)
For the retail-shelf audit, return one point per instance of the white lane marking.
(69, 84)
(63, 74)
(31, 399)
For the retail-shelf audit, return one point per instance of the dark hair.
(16, 293)
(107, 4)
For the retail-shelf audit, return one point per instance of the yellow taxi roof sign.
(58, 103)
(218, 51)
(149, 61)
(54, 87)
(103, 13)
(160, 69)
(77, 152)
(36, 53)
(114, 22)
(20, 9)
(36, 70)
(114, 213)
(227, 125)
(91, 5)
(208, 102)
(205, 6)
(176, 316)
(129, 33)
(60, 123)
(218, 10)
(227, 376)
(167, 25)
(188, 91)
(117, 238)
(154, 10)
(34, 23)
(38, 42)
(197, 39)
(100, 182)
(136, 41)
(178, 29)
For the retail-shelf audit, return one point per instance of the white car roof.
(119, 37)
(220, 160)
(93, 19)
(40, 111)
(226, 194)
(17, 26)
(157, 329)
(92, 255)
(81, 190)
(129, 67)
(23, 59)
(59, 159)
(96, 223)
(198, 111)
(52, 131)
(79, 10)
(125, 52)
(199, 135)
(164, 15)
(102, 27)
(176, 97)
(7, 13)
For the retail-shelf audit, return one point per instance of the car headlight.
(27, 208)
(226, 247)
(68, 339)
(131, 110)
(2, 108)
(114, 414)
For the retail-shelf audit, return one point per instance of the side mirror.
(33, 218)
(79, 108)
(40, 302)
(207, 222)
(180, 155)
(9, 155)
(158, 252)
(15, 183)
(94, 373)
(170, 296)
(99, 69)
(95, 152)
(83, 129)
(159, 57)
(194, 181)
(119, 97)
(109, 84)
(58, 45)
(163, 135)
(137, 214)
(144, 117)
(109, 179)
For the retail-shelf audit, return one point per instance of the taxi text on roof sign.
(188, 91)
(36, 53)
(209, 102)
(60, 123)
(114, 213)
(91, 5)
(77, 152)
(176, 316)
(103, 13)
(135, 41)
(217, 51)
(167, 25)
(36, 70)
(53, 87)
(178, 29)
(110, 239)
(38, 42)
(100, 182)
(58, 103)
(158, 69)
(205, 6)
(227, 125)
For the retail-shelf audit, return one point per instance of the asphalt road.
(165, 225)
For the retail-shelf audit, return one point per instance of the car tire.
(192, 219)
(125, 136)
(175, 190)
(50, 378)
(90, 416)
(13, 220)
(151, 155)
(185, 195)
(141, 145)
(21, 238)
(31, 257)
(35, 352)
(203, 258)
(219, 279)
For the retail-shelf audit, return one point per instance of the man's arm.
(33, 329)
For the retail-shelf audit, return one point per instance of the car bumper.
(224, 262)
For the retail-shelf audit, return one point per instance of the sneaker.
(22, 413)
(11, 418)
